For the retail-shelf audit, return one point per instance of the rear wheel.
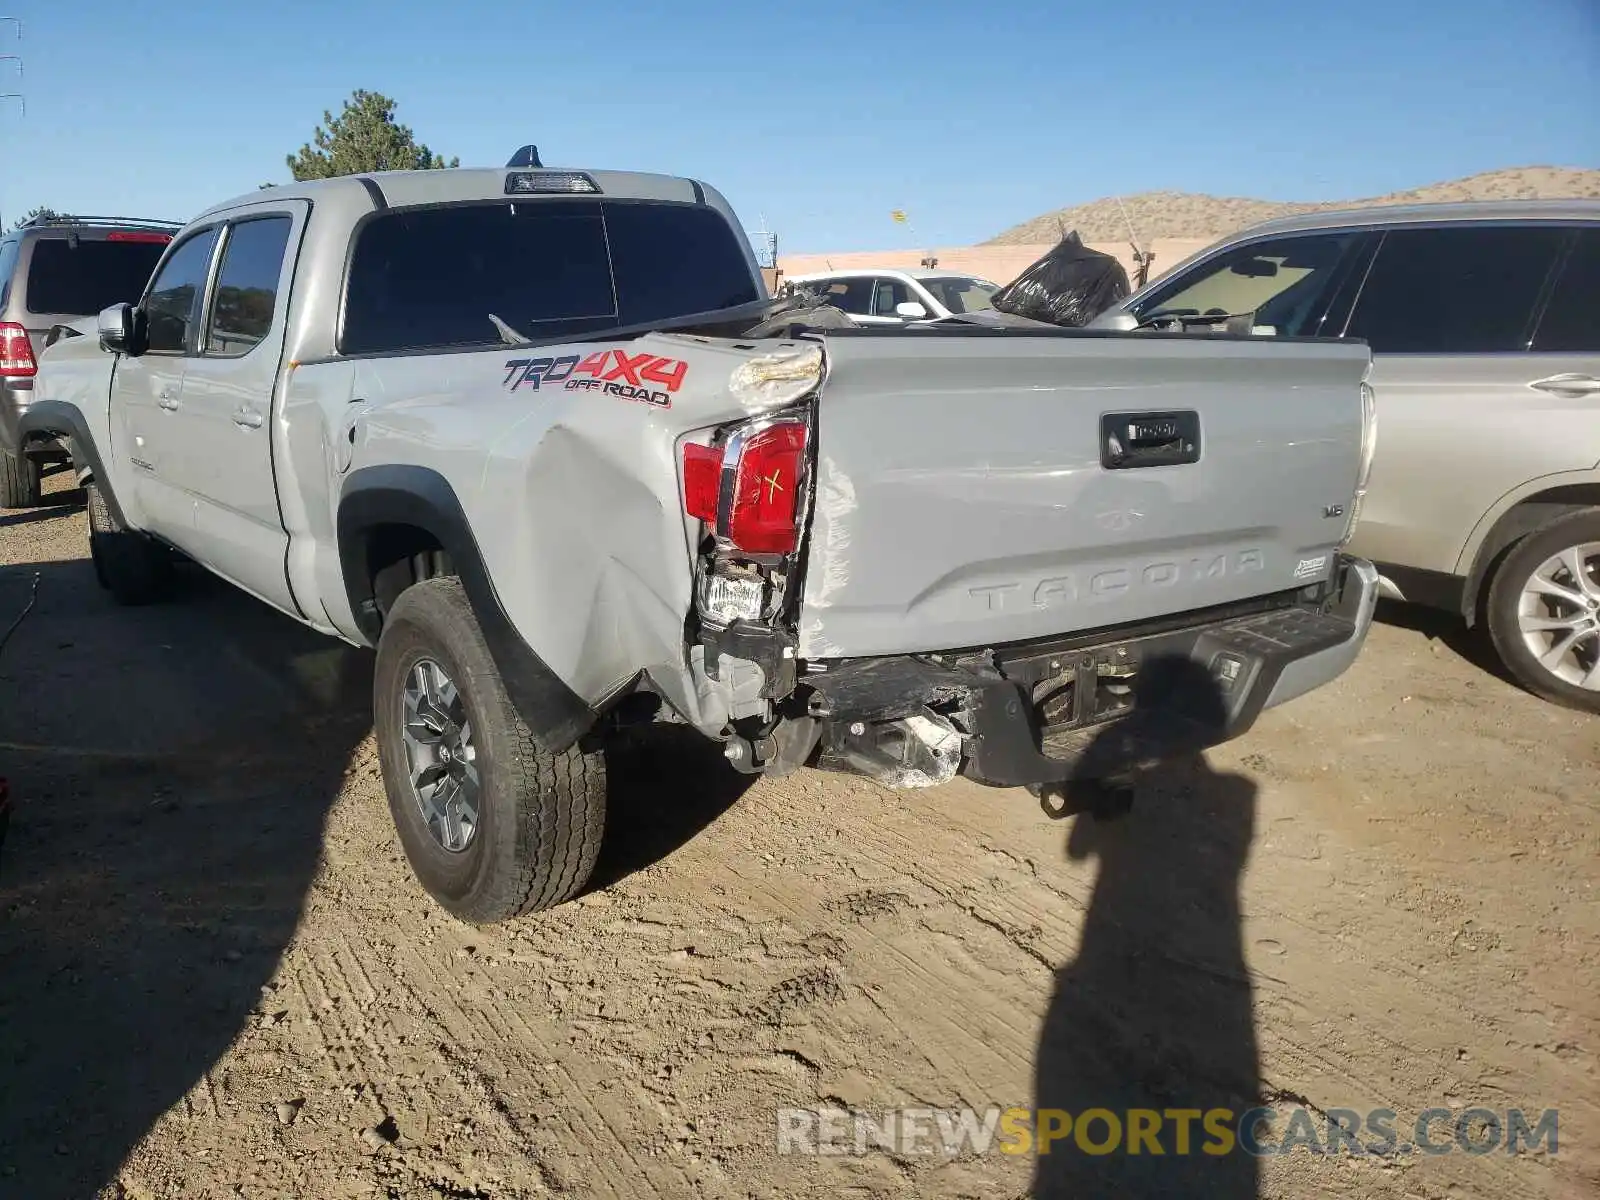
(134, 568)
(493, 825)
(19, 481)
(1544, 611)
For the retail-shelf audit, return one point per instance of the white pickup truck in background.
(541, 438)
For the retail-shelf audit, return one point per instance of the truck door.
(228, 390)
(147, 392)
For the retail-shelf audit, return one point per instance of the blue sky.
(821, 118)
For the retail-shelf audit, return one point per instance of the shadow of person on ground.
(171, 769)
(664, 786)
(1154, 1013)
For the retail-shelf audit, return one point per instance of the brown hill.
(1195, 215)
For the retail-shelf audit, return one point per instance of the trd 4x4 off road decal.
(611, 372)
(533, 372)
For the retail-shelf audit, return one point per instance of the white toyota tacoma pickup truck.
(541, 438)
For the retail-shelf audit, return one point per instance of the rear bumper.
(1081, 709)
(1358, 598)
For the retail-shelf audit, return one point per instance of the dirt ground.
(217, 977)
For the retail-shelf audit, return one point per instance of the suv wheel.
(19, 481)
(1544, 611)
(493, 826)
(134, 568)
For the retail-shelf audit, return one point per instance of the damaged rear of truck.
(1033, 557)
(1025, 557)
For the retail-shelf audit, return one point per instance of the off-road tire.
(540, 815)
(1505, 593)
(19, 481)
(134, 568)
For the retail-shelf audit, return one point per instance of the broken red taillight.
(762, 514)
(702, 481)
(769, 468)
(16, 352)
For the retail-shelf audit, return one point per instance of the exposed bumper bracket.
(1051, 713)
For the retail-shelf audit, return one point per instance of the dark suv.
(55, 270)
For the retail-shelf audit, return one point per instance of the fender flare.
(57, 418)
(394, 494)
(1515, 515)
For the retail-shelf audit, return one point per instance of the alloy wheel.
(441, 759)
(1558, 614)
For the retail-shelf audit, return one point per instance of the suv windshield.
(1284, 282)
(959, 294)
(484, 273)
(77, 277)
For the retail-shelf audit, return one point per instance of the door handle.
(1130, 440)
(167, 399)
(247, 418)
(1568, 384)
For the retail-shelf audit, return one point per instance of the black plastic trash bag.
(1069, 286)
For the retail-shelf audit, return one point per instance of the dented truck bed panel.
(966, 494)
(564, 460)
(960, 497)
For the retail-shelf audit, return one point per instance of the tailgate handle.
(1149, 439)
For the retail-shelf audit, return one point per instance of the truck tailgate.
(965, 492)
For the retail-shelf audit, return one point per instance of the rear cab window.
(80, 276)
(457, 275)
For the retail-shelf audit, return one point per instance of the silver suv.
(56, 269)
(1484, 323)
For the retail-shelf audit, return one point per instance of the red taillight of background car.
(768, 465)
(16, 352)
(137, 235)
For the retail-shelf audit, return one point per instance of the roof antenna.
(528, 156)
(1141, 258)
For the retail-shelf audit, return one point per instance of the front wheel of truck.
(134, 568)
(493, 825)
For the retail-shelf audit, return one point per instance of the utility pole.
(22, 102)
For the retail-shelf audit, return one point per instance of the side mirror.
(911, 310)
(116, 328)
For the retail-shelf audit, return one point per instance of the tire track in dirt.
(1421, 882)
(530, 1059)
